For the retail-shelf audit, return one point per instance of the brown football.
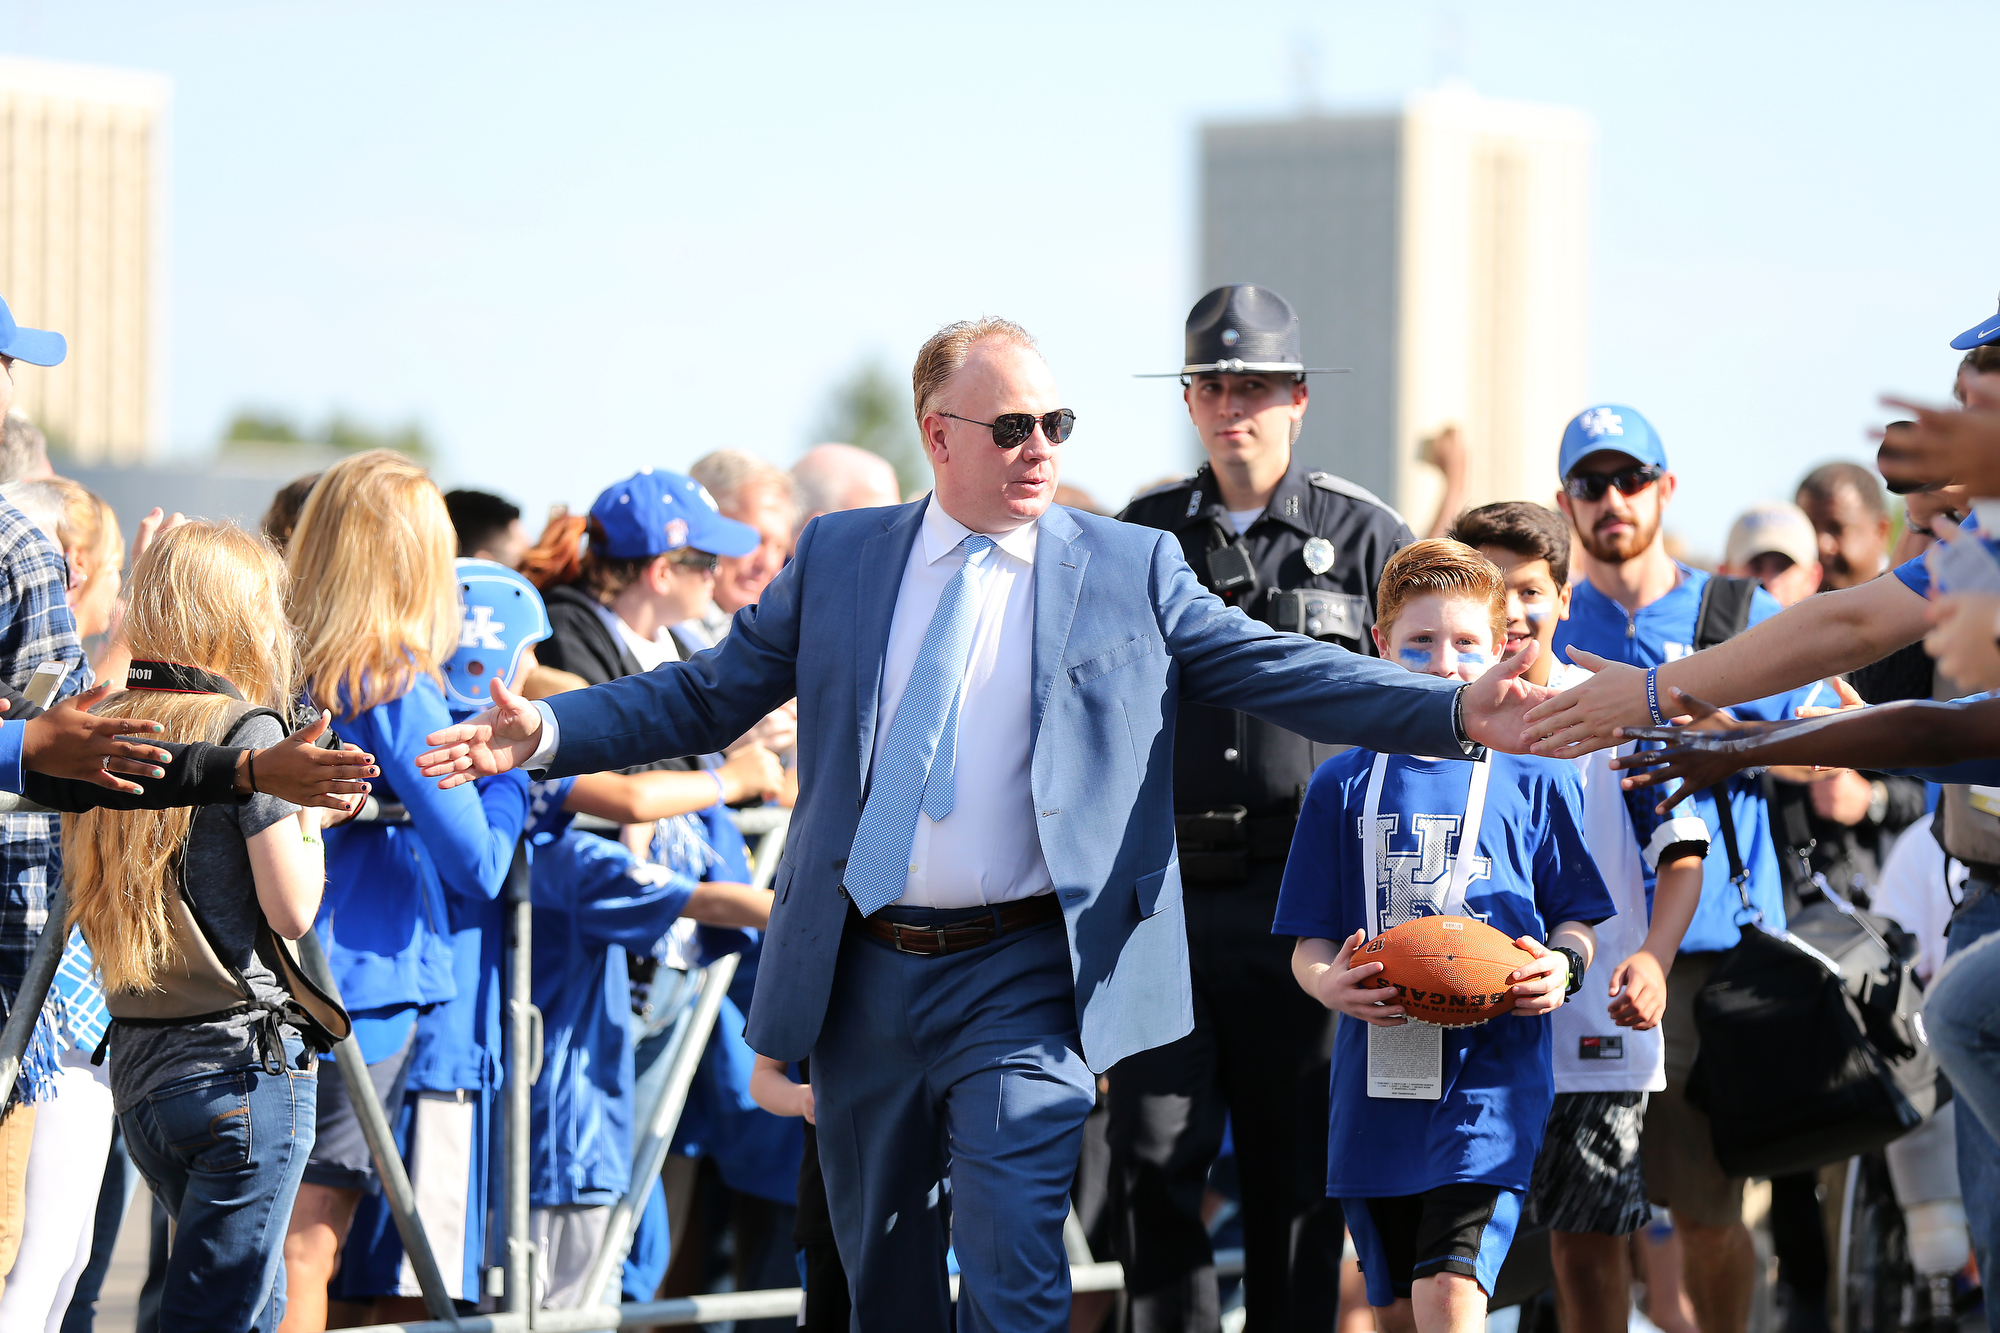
(1449, 970)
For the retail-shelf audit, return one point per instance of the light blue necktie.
(914, 766)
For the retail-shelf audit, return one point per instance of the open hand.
(1586, 716)
(1709, 747)
(1962, 638)
(502, 737)
(1961, 447)
(298, 769)
(1638, 993)
(1339, 988)
(1497, 705)
(1538, 987)
(69, 741)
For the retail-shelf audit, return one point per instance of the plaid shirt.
(35, 627)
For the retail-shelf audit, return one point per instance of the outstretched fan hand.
(502, 737)
(1702, 751)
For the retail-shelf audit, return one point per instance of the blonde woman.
(375, 598)
(217, 1110)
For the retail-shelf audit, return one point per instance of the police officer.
(1301, 551)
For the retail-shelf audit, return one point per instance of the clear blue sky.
(574, 240)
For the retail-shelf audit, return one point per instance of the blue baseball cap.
(652, 513)
(1986, 331)
(504, 615)
(1609, 426)
(37, 347)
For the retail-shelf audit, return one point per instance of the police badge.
(1319, 554)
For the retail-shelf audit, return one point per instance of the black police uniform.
(1261, 1049)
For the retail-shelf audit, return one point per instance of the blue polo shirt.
(1663, 631)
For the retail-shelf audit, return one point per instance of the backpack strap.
(319, 1018)
(1724, 611)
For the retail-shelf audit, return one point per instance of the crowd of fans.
(351, 616)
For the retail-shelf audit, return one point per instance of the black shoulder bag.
(1812, 1043)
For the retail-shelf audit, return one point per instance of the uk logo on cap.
(677, 533)
(1609, 428)
(1601, 421)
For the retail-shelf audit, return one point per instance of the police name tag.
(1406, 1062)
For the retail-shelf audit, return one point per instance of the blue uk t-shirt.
(1663, 631)
(1532, 872)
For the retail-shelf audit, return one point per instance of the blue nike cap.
(652, 513)
(37, 347)
(1609, 426)
(1986, 331)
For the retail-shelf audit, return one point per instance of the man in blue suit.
(986, 688)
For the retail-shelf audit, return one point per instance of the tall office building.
(1441, 253)
(82, 217)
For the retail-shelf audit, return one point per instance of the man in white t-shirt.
(1588, 1189)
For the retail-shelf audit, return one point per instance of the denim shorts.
(224, 1151)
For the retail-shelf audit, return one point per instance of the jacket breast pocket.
(782, 879)
(1160, 890)
(1104, 663)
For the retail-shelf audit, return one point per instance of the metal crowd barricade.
(689, 1039)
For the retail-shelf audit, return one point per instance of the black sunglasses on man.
(1012, 429)
(1592, 486)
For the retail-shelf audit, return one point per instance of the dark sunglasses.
(695, 560)
(1013, 428)
(1629, 481)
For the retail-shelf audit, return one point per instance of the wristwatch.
(1575, 968)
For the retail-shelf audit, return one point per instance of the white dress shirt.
(987, 850)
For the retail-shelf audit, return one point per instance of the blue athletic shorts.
(1462, 1229)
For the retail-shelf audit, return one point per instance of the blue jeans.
(1962, 1013)
(225, 1151)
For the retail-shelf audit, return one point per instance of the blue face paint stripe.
(1417, 659)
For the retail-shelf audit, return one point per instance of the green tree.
(871, 410)
(260, 426)
(343, 432)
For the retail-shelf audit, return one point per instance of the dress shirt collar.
(943, 533)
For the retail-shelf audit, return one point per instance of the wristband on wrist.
(721, 792)
(1653, 696)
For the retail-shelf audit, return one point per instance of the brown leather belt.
(935, 941)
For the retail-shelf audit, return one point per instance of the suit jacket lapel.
(878, 579)
(1060, 556)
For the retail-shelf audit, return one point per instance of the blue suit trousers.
(967, 1067)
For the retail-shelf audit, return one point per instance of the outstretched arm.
(1322, 691)
(681, 708)
(1821, 636)
(1908, 734)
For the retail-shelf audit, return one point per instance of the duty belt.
(1217, 846)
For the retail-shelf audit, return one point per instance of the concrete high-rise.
(82, 217)
(1441, 252)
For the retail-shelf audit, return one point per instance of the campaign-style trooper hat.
(1241, 330)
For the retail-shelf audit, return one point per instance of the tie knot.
(976, 546)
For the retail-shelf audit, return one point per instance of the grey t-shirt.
(223, 892)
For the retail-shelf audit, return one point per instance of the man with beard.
(1636, 604)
